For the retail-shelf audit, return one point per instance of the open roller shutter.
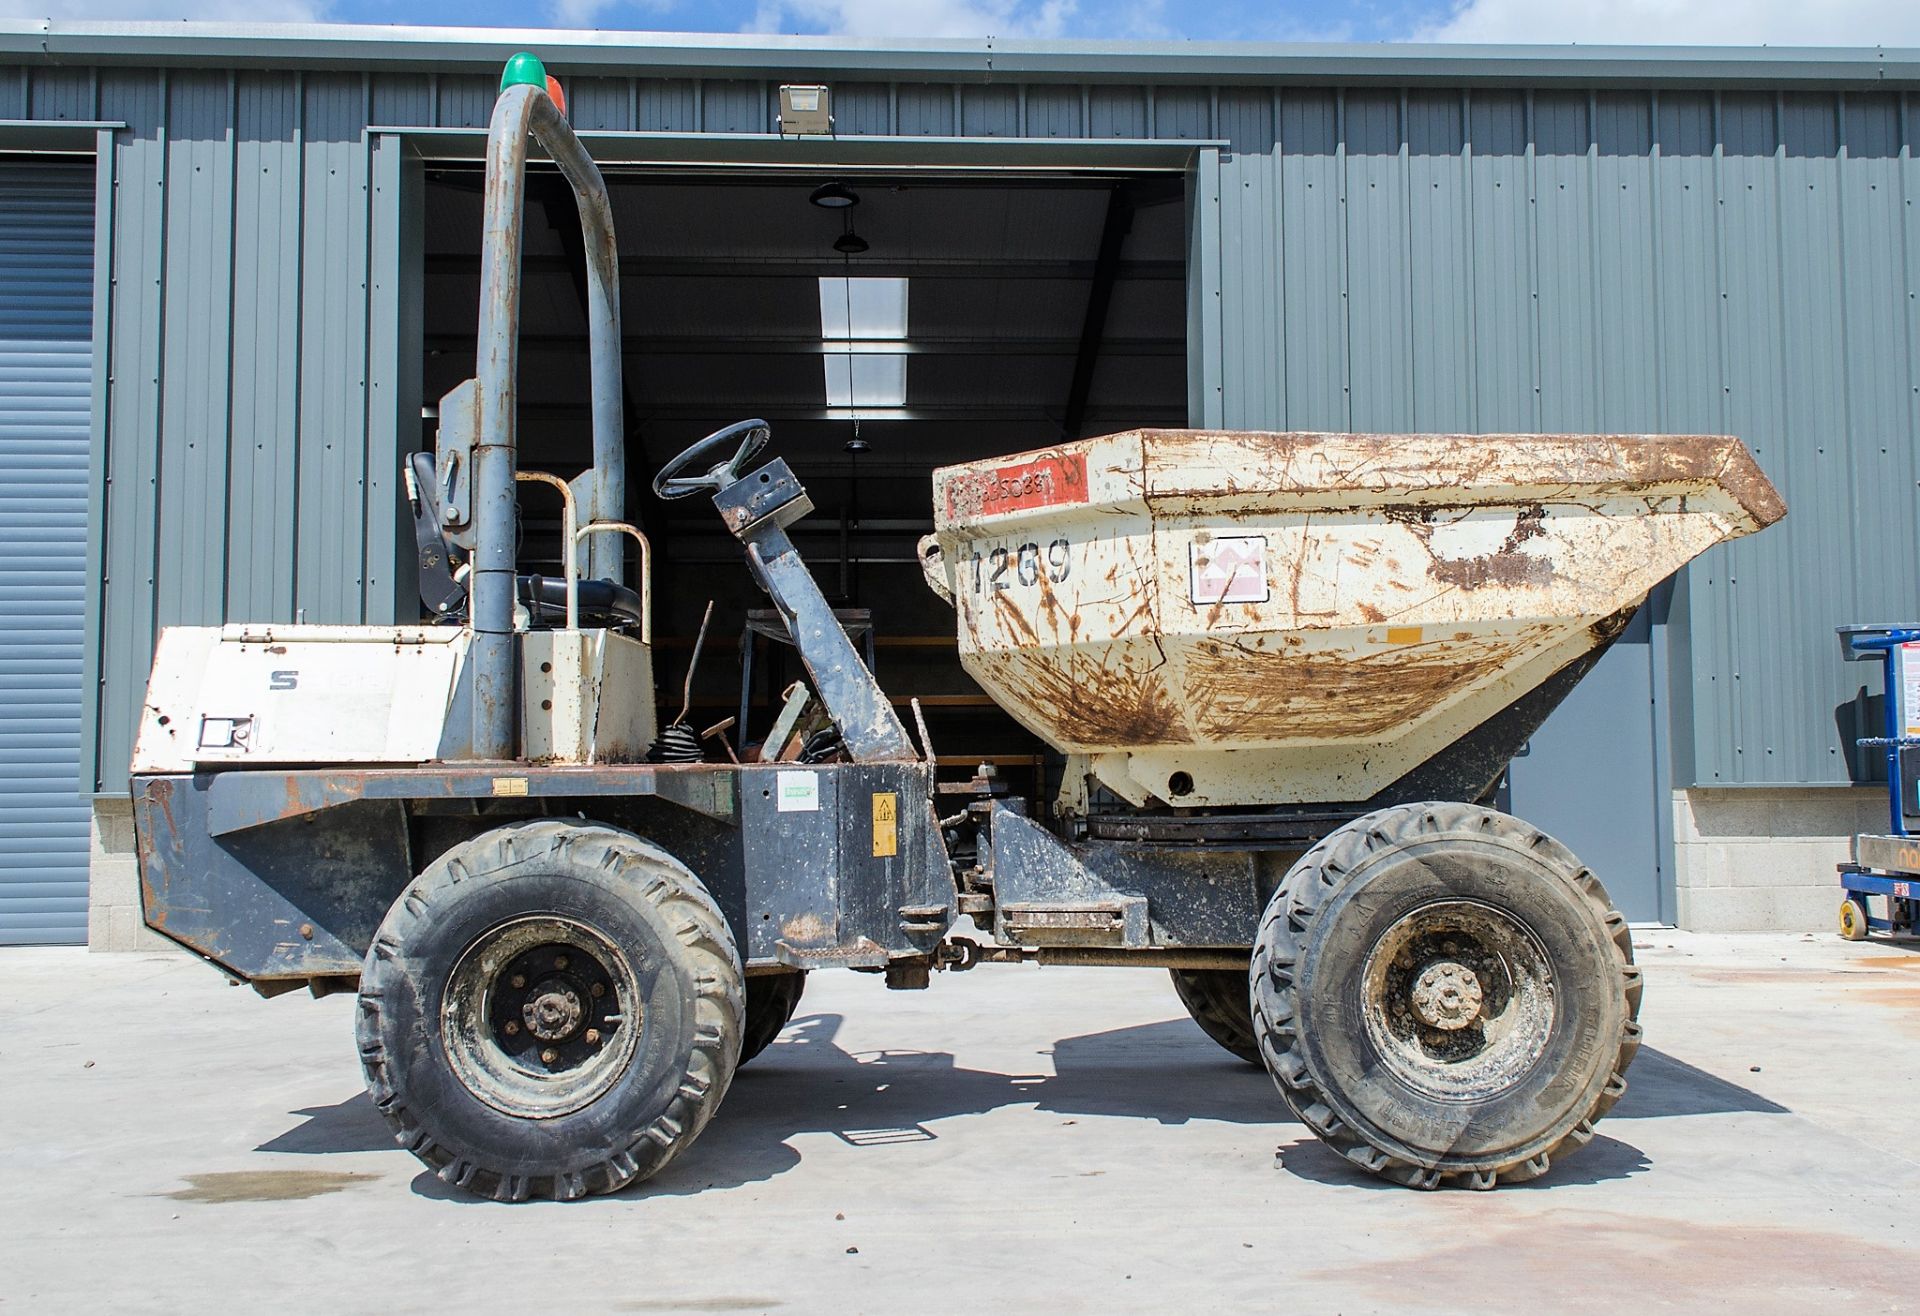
(46, 385)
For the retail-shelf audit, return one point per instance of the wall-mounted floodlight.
(806, 111)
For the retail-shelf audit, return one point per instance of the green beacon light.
(524, 70)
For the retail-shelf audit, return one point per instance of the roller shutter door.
(46, 386)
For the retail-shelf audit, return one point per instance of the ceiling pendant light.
(834, 196)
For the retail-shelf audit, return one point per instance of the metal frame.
(289, 45)
(1887, 865)
(520, 115)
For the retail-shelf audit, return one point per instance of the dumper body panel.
(1223, 619)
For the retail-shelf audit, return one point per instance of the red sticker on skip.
(1043, 482)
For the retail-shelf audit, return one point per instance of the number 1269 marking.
(1000, 566)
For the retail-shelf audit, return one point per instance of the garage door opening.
(885, 325)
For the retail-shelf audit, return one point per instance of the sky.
(1588, 22)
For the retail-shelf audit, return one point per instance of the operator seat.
(443, 590)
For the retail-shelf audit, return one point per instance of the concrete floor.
(1032, 1139)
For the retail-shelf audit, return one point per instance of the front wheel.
(552, 1009)
(1444, 994)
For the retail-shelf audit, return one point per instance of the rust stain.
(1238, 692)
(1369, 612)
(806, 930)
(1087, 703)
(1573, 1261)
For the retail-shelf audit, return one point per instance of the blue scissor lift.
(1888, 865)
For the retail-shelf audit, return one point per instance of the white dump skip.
(1214, 618)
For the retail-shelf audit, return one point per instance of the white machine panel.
(298, 694)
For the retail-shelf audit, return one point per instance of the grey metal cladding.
(1741, 261)
(1480, 240)
(46, 389)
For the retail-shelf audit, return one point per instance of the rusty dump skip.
(1215, 618)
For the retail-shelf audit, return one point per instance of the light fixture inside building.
(834, 196)
(850, 244)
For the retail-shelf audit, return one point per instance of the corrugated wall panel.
(1312, 238)
(398, 98)
(1183, 113)
(265, 388)
(197, 326)
(735, 107)
(1505, 358)
(61, 94)
(599, 103)
(1054, 112)
(332, 388)
(667, 105)
(463, 102)
(863, 109)
(1439, 241)
(1117, 112)
(925, 110)
(14, 91)
(1627, 343)
(46, 389)
(1881, 397)
(136, 357)
(1380, 328)
(1563, 262)
(989, 111)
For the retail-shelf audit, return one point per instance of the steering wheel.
(746, 438)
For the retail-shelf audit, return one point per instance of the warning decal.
(1042, 482)
(1231, 569)
(886, 824)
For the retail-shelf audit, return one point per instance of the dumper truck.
(1283, 673)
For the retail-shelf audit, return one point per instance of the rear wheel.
(771, 1001)
(552, 1009)
(1217, 1000)
(1443, 994)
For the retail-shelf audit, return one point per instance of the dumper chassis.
(563, 951)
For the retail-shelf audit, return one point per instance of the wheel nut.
(599, 989)
(549, 1056)
(513, 1028)
(593, 1037)
(519, 980)
(559, 961)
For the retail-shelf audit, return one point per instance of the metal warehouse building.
(238, 265)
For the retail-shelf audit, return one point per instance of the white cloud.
(1683, 22)
(250, 11)
(586, 13)
(915, 18)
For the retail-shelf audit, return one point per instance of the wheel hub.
(1458, 1000)
(554, 1011)
(541, 1015)
(1446, 995)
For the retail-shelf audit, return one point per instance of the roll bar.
(525, 112)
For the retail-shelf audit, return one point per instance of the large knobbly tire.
(625, 975)
(1217, 1000)
(771, 1001)
(1445, 995)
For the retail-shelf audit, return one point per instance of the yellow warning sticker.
(509, 785)
(1403, 635)
(886, 824)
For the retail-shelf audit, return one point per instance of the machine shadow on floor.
(1168, 1072)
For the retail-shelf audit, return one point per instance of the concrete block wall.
(1758, 859)
(113, 883)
